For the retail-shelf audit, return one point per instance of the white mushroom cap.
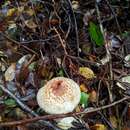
(59, 96)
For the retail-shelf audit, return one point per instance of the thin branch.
(84, 60)
(107, 50)
(18, 43)
(22, 105)
(118, 26)
(61, 41)
(76, 28)
(50, 117)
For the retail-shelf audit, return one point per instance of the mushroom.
(59, 96)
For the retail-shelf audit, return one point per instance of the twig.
(40, 40)
(22, 105)
(50, 117)
(62, 42)
(30, 61)
(76, 28)
(118, 26)
(25, 107)
(18, 43)
(84, 60)
(107, 50)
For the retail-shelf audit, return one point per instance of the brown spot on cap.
(58, 88)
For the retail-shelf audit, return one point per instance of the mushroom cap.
(59, 96)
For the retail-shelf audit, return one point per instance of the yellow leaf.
(83, 88)
(86, 72)
(113, 121)
(30, 12)
(99, 127)
(77, 109)
(20, 9)
(11, 12)
(30, 24)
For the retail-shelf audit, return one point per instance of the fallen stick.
(50, 117)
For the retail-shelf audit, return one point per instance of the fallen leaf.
(93, 96)
(113, 121)
(84, 99)
(32, 66)
(20, 9)
(30, 12)
(10, 102)
(1, 92)
(10, 12)
(0, 118)
(30, 24)
(75, 4)
(126, 79)
(10, 72)
(96, 34)
(60, 73)
(65, 123)
(86, 72)
(83, 88)
(98, 127)
(20, 113)
(23, 60)
(13, 30)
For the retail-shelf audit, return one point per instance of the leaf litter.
(86, 41)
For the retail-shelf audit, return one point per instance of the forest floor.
(87, 41)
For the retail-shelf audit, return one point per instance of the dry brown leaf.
(93, 96)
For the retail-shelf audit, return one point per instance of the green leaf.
(60, 72)
(84, 99)
(1, 92)
(13, 31)
(10, 103)
(32, 66)
(96, 34)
